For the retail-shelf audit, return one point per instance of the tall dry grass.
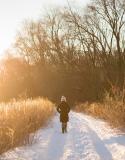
(111, 109)
(20, 118)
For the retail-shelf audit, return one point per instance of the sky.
(14, 12)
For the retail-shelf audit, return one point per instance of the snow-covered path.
(87, 139)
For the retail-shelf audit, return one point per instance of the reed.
(20, 118)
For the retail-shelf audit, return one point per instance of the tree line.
(69, 51)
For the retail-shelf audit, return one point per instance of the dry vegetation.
(111, 109)
(20, 118)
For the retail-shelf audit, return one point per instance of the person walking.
(64, 109)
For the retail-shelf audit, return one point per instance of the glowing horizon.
(13, 12)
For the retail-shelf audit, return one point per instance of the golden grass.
(111, 109)
(20, 118)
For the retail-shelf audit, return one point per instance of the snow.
(87, 139)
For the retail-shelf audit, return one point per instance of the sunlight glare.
(13, 12)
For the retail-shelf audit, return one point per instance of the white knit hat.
(63, 99)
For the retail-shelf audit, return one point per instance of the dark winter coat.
(63, 108)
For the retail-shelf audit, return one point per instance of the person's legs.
(63, 127)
